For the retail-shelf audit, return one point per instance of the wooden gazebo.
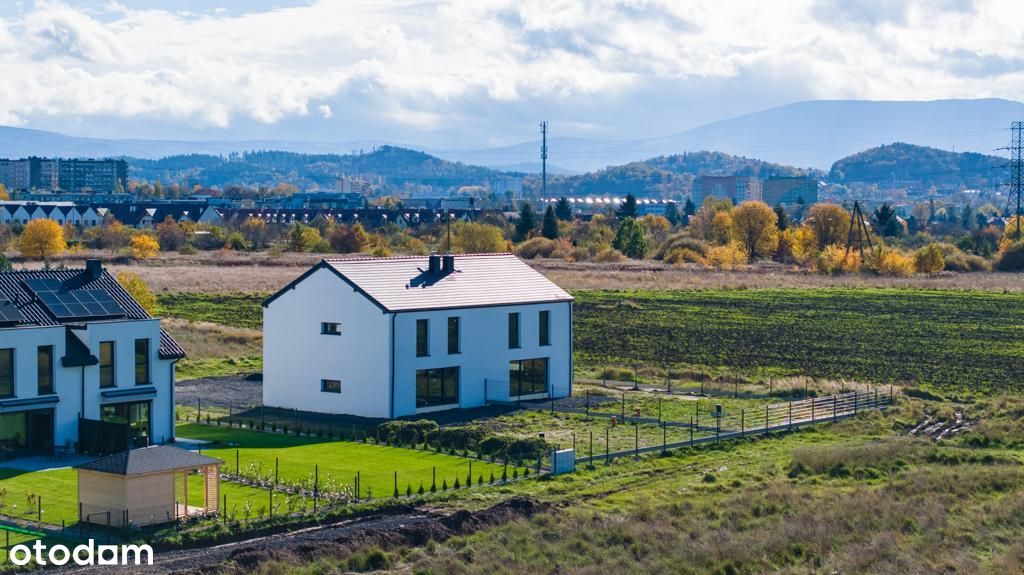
(145, 486)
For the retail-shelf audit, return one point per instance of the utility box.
(563, 461)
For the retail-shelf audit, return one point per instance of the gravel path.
(233, 389)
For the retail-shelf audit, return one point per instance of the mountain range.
(812, 134)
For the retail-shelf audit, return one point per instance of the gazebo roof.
(147, 460)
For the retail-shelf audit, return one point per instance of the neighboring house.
(79, 355)
(393, 337)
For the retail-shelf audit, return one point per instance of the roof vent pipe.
(447, 264)
(93, 269)
(434, 266)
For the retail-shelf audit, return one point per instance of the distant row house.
(148, 215)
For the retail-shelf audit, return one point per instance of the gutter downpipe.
(391, 402)
(174, 421)
(572, 366)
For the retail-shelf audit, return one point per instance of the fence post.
(743, 422)
(574, 443)
(659, 410)
(588, 404)
(591, 462)
(552, 405)
(271, 502)
(199, 409)
(771, 385)
(736, 383)
(636, 439)
(224, 512)
(855, 402)
(691, 431)
(812, 410)
(702, 383)
(664, 438)
(316, 486)
(835, 407)
(39, 502)
(607, 444)
(623, 415)
(236, 466)
(892, 396)
(791, 414)
(876, 398)
(276, 461)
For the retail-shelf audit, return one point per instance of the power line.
(544, 157)
(1016, 168)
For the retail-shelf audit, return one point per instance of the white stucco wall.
(296, 356)
(68, 381)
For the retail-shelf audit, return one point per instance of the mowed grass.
(338, 461)
(960, 341)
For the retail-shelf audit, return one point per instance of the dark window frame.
(514, 341)
(328, 386)
(423, 338)
(436, 387)
(330, 328)
(7, 380)
(544, 328)
(145, 365)
(454, 342)
(525, 376)
(109, 368)
(48, 387)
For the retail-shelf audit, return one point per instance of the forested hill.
(921, 167)
(308, 171)
(663, 174)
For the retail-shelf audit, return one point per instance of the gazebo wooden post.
(185, 483)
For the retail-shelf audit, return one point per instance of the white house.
(82, 365)
(393, 337)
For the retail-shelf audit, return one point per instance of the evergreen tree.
(527, 221)
(628, 208)
(563, 209)
(689, 208)
(630, 239)
(549, 229)
(782, 219)
(967, 217)
(672, 213)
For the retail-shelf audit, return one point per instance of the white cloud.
(413, 67)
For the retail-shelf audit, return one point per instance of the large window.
(437, 387)
(513, 330)
(136, 415)
(422, 338)
(45, 371)
(6, 373)
(453, 335)
(107, 364)
(544, 323)
(13, 432)
(329, 328)
(330, 385)
(142, 362)
(527, 377)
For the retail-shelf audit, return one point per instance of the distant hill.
(310, 171)
(806, 134)
(920, 167)
(663, 175)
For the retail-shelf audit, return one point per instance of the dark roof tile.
(148, 460)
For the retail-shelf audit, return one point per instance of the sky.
(480, 73)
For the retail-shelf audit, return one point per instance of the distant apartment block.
(737, 188)
(102, 176)
(789, 191)
(71, 176)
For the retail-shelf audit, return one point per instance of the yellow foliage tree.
(929, 259)
(474, 238)
(753, 226)
(42, 239)
(139, 291)
(721, 223)
(830, 222)
(144, 247)
(4, 196)
(834, 260)
(800, 245)
(726, 256)
(891, 262)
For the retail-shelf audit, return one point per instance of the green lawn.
(338, 460)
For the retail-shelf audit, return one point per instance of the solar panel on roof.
(9, 313)
(66, 304)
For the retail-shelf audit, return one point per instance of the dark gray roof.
(148, 460)
(480, 280)
(13, 289)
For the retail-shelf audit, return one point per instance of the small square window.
(328, 328)
(330, 386)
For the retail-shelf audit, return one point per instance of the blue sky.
(461, 74)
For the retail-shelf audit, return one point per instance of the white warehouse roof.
(399, 284)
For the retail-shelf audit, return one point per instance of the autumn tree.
(753, 225)
(349, 239)
(114, 236)
(144, 247)
(656, 228)
(170, 235)
(303, 238)
(721, 223)
(137, 288)
(929, 259)
(630, 239)
(830, 223)
(475, 238)
(549, 228)
(42, 239)
(4, 196)
(254, 230)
